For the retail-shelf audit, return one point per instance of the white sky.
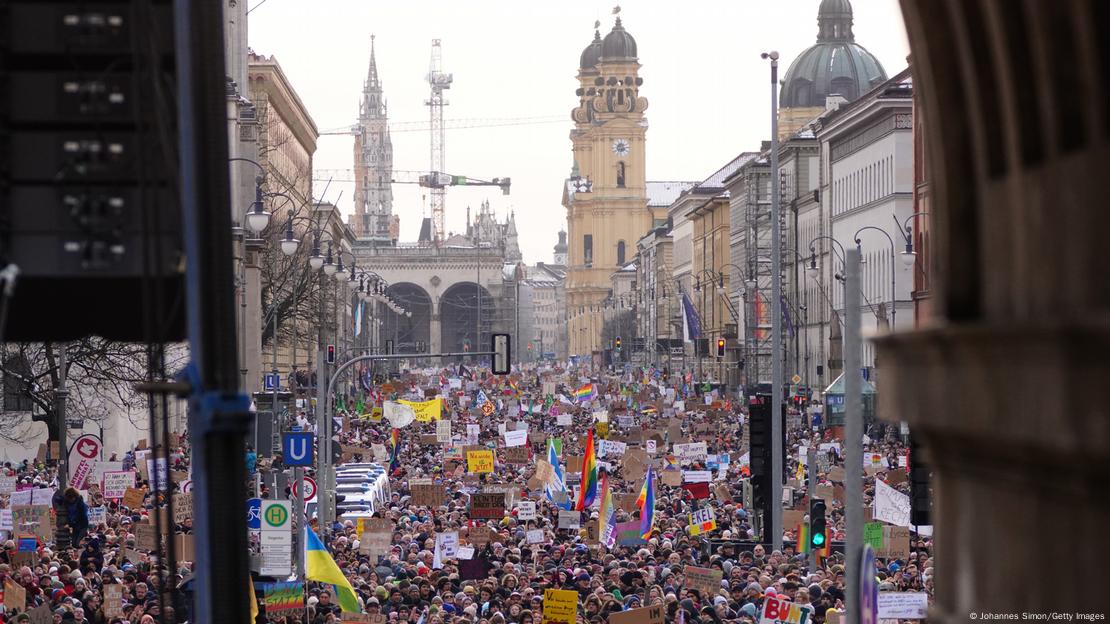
(704, 79)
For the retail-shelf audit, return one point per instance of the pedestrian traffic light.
(720, 347)
(618, 343)
(330, 359)
(529, 345)
(818, 524)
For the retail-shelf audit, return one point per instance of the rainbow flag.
(513, 385)
(803, 538)
(395, 450)
(607, 514)
(646, 503)
(585, 393)
(588, 491)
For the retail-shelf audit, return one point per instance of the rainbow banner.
(646, 503)
(585, 393)
(588, 491)
(279, 598)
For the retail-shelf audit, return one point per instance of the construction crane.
(437, 181)
(439, 81)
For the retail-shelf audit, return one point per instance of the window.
(588, 249)
(16, 398)
(620, 174)
(620, 253)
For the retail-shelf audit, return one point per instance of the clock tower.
(606, 195)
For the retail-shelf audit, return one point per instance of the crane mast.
(438, 81)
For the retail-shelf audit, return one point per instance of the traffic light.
(921, 499)
(759, 428)
(330, 359)
(720, 347)
(529, 345)
(618, 343)
(818, 527)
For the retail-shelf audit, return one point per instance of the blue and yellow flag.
(319, 566)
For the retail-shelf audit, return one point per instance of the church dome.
(618, 45)
(592, 54)
(836, 64)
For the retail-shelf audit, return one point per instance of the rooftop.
(663, 194)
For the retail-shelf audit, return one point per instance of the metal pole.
(298, 511)
(218, 415)
(893, 290)
(853, 432)
(61, 393)
(776, 316)
(321, 424)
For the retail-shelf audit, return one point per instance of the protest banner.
(705, 580)
(903, 605)
(628, 534)
(487, 505)
(478, 462)
(890, 505)
(526, 510)
(113, 600)
(15, 596)
(560, 606)
(517, 455)
(428, 494)
(570, 519)
(283, 598)
(425, 411)
(646, 615)
(117, 482)
(779, 611)
(691, 452)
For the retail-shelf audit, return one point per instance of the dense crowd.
(502, 566)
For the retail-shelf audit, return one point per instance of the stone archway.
(412, 333)
(462, 328)
(1014, 100)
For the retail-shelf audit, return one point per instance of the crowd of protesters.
(513, 561)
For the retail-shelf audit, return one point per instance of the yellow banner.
(426, 411)
(480, 461)
(560, 605)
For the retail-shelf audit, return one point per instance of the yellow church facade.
(606, 196)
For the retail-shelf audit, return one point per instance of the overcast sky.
(704, 79)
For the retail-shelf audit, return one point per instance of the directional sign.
(271, 382)
(254, 513)
(296, 448)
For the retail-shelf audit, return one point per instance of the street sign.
(296, 448)
(868, 587)
(271, 382)
(277, 538)
(254, 513)
(308, 489)
(276, 516)
(796, 379)
(677, 350)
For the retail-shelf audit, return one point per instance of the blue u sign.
(296, 448)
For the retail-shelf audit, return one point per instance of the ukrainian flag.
(319, 566)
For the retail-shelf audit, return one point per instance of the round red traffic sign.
(308, 491)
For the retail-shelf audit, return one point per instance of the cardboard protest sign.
(895, 477)
(133, 498)
(702, 521)
(488, 505)
(283, 598)
(778, 611)
(896, 543)
(574, 463)
(480, 536)
(429, 439)
(544, 471)
(15, 597)
(791, 518)
(672, 478)
(705, 580)
(185, 546)
(517, 455)
(146, 536)
(646, 615)
(478, 462)
(428, 494)
(692, 452)
(182, 507)
(560, 606)
(33, 519)
(113, 600)
(890, 505)
(836, 473)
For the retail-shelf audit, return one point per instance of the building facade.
(606, 195)
(373, 217)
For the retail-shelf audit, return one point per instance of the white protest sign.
(778, 611)
(564, 420)
(5, 519)
(472, 433)
(398, 414)
(696, 476)
(159, 470)
(117, 482)
(516, 438)
(97, 516)
(903, 605)
(609, 448)
(443, 431)
(7, 484)
(569, 519)
(22, 497)
(691, 452)
(526, 510)
(535, 536)
(601, 416)
(649, 446)
(447, 546)
(890, 505)
(465, 553)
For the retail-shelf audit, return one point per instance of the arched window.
(620, 253)
(620, 174)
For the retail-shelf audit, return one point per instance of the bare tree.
(100, 376)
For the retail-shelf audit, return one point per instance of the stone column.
(435, 333)
(252, 316)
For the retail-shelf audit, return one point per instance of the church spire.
(372, 81)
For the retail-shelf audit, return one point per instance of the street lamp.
(909, 256)
(893, 281)
(316, 260)
(289, 244)
(329, 265)
(340, 273)
(257, 217)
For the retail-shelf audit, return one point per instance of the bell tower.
(606, 196)
(373, 157)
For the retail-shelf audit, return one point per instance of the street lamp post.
(893, 267)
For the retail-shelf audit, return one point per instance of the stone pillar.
(252, 316)
(435, 333)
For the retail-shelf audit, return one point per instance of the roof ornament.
(617, 10)
(597, 24)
